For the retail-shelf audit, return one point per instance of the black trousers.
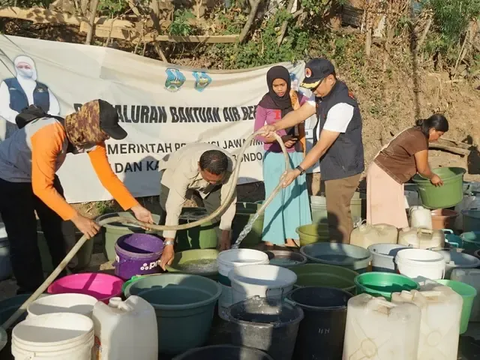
(17, 208)
(211, 203)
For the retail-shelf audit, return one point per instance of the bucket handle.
(281, 294)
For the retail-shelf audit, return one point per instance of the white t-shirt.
(338, 117)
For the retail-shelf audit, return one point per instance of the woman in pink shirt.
(290, 208)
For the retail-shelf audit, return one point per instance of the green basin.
(448, 195)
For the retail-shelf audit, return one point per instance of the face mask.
(26, 73)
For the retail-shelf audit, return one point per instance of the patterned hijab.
(83, 127)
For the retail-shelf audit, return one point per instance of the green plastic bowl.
(383, 284)
(322, 275)
(468, 294)
(195, 257)
(448, 195)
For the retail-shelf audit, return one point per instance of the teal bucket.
(471, 220)
(451, 239)
(441, 197)
(184, 305)
(471, 240)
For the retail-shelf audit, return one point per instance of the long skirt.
(385, 199)
(291, 207)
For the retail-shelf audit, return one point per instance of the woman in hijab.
(289, 209)
(29, 160)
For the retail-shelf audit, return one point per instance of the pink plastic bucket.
(100, 286)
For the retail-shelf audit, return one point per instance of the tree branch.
(251, 18)
(93, 12)
(133, 7)
(283, 30)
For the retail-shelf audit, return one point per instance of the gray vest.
(345, 156)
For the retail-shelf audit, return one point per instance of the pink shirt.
(267, 117)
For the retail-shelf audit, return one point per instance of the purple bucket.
(137, 254)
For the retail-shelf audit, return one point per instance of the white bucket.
(228, 260)
(267, 281)
(58, 336)
(420, 264)
(63, 303)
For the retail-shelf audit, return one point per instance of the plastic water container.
(63, 303)
(58, 336)
(125, 330)
(379, 330)
(5, 265)
(228, 260)
(366, 235)
(267, 281)
(472, 278)
(440, 321)
(421, 264)
(319, 209)
(422, 238)
(420, 218)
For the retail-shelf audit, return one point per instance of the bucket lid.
(58, 329)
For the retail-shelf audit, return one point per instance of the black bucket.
(265, 324)
(223, 352)
(322, 330)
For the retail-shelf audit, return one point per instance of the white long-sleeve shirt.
(181, 173)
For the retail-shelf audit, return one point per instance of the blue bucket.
(137, 254)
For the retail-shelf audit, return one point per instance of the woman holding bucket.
(29, 159)
(395, 164)
(291, 208)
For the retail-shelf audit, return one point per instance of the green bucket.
(200, 237)
(448, 195)
(112, 232)
(313, 233)
(244, 212)
(468, 294)
(201, 262)
(184, 305)
(383, 284)
(322, 275)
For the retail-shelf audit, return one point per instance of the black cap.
(315, 71)
(109, 121)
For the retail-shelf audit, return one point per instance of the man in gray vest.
(338, 142)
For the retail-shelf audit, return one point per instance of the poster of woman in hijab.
(19, 92)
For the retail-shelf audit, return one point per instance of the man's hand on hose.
(289, 176)
(167, 255)
(142, 214)
(267, 130)
(225, 242)
(87, 227)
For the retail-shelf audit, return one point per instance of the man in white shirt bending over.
(338, 142)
